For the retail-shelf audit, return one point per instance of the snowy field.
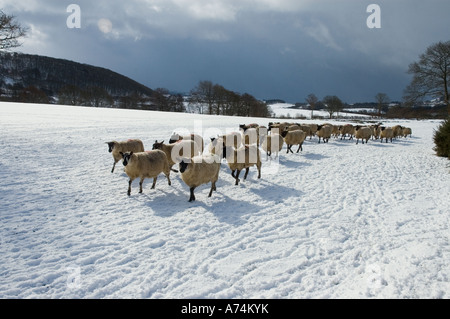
(284, 109)
(338, 220)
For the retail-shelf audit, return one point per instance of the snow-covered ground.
(338, 220)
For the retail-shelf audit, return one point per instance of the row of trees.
(431, 78)
(210, 98)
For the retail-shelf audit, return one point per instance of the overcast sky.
(282, 49)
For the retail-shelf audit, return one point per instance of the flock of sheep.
(241, 150)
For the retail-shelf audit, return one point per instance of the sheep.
(250, 136)
(376, 130)
(387, 133)
(199, 170)
(175, 137)
(407, 131)
(216, 146)
(126, 146)
(145, 165)
(243, 157)
(346, 129)
(294, 138)
(232, 139)
(272, 143)
(363, 133)
(397, 130)
(186, 148)
(324, 132)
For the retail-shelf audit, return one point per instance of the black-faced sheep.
(345, 130)
(194, 137)
(292, 138)
(243, 158)
(363, 133)
(407, 131)
(200, 170)
(115, 148)
(272, 143)
(183, 148)
(324, 132)
(145, 165)
(386, 133)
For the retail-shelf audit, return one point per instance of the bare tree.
(333, 104)
(382, 99)
(431, 74)
(312, 101)
(10, 32)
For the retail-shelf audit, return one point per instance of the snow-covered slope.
(338, 220)
(286, 110)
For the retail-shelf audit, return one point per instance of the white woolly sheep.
(324, 132)
(145, 165)
(195, 137)
(397, 129)
(183, 148)
(345, 130)
(243, 158)
(292, 138)
(115, 148)
(376, 130)
(272, 143)
(363, 133)
(386, 133)
(407, 131)
(200, 170)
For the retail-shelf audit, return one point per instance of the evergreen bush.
(442, 139)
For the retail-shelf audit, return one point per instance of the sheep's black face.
(172, 141)
(126, 158)
(157, 146)
(183, 166)
(110, 147)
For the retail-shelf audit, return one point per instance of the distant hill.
(34, 78)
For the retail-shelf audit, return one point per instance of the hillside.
(24, 74)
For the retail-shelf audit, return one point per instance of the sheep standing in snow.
(272, 143)
(292, 138)
(145, 165)
(115, 148)
(324, 132)
(195, 137)
(386, 133)
(407, 131)
(183, 148)
(397, 129)
(363, 133)
(243, 158)
(200, 170)
(345, 130)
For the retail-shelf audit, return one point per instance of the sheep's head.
(157, 145)
(184, 165)
(174, 138)
(126, 157)
(284, 133)
(110, 146)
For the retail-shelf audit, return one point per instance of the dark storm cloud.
(269, 48)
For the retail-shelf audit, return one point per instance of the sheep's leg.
(259, 171)
(154, 182)
(232, 174)
(299, 147)
(237, 177)
(213, 188)
(114, 165)
(140, 184)
(192, 197)
(129, 187)
(168, 179)
(246, 172)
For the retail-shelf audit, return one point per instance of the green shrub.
(442, 139)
